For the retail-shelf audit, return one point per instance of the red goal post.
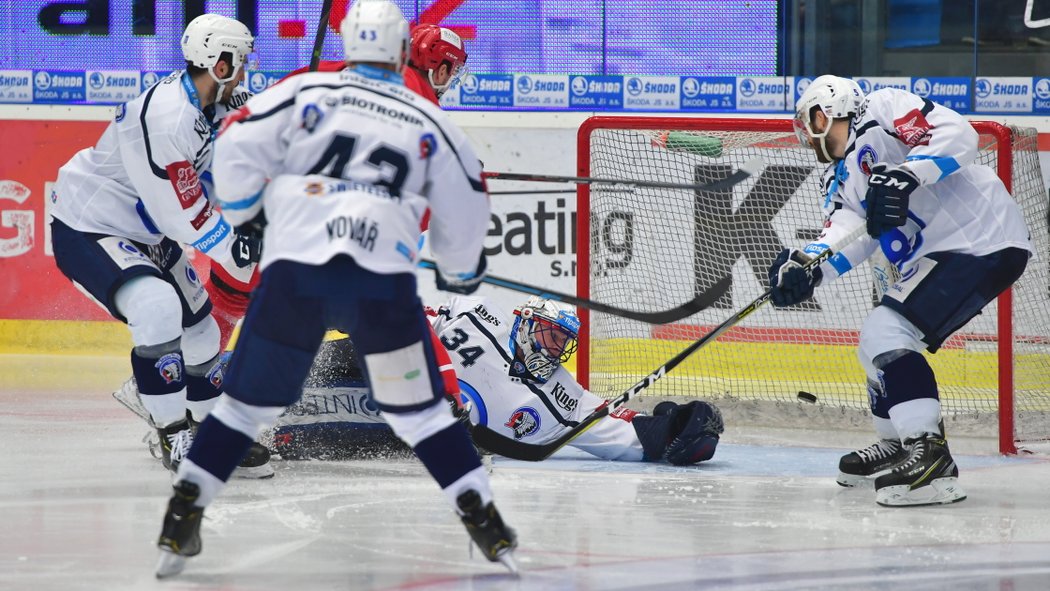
(648, 249)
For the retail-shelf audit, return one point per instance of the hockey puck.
(807, 397)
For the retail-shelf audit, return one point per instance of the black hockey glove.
(789, 282)
(247, 248)
(247, 241)
(887, 198)
(465, 286)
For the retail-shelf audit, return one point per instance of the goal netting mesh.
(654, 249)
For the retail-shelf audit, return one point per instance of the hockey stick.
(700, 302)
(322, 26)
(489, 439)
(750, 168)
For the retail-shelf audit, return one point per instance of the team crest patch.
(913, 129)
(866, 158)
(312, 116)
(170, 368)
(525, 421)
(427, 146)
(215, 374)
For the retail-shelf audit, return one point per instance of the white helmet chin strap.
(222, 82)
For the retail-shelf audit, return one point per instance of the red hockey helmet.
(433, 46)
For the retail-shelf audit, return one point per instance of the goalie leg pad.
(680, 434)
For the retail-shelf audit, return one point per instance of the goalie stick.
(700, 302)
(492, 441)
(750, 168)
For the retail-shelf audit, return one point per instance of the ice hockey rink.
(81, 502)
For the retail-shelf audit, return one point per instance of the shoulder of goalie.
(681, 434)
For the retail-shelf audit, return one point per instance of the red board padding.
(31, 286)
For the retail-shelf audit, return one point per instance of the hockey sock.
(203, 386)
(218, 448)
(160, 375)
(911, 394)
(451, 459)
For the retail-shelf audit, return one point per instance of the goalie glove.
(464, 284)
(789, 282)
(889, 190)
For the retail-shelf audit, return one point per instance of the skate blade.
(254, 472)
(507, 559)
(939, 492)
(169, 564)
(858, 481)
(128, 395)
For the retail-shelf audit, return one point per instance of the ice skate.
(861, 467)
(175, 442)
(485, 526)
(928, 476)
(180, 536)
(256, 464)
(128, 395)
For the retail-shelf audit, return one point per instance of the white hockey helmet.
(545, 333)
(375, 31)
(836, 97)
(209, 36)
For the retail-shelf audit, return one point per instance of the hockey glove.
(889, 190)
(247, 241)
(789, 282)
(466, 283)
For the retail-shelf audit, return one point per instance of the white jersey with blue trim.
(348, 163)
(477, 335)
(143, 179)
(960, 206)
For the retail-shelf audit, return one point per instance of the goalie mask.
(544, 334)
(836, 97)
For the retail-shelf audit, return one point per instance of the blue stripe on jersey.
(209, 241)
(947, 164)
(241, 204)
(147, 221)
(840, 263)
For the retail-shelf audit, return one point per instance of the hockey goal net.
(653, 249)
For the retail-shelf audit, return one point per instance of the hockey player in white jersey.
(340, 167)
(904, 167)
(124, 208)
(512, 381)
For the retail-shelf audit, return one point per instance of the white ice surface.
(81, 502)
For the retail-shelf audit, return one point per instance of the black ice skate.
(485, 526)
(928, 476)
(180, 536)
(175, 442)
(256, 464)
(859, 468)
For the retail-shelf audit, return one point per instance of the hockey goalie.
(504, 371)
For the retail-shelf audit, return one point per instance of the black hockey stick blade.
(751, 168)
(700, 302)
(322, 26)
